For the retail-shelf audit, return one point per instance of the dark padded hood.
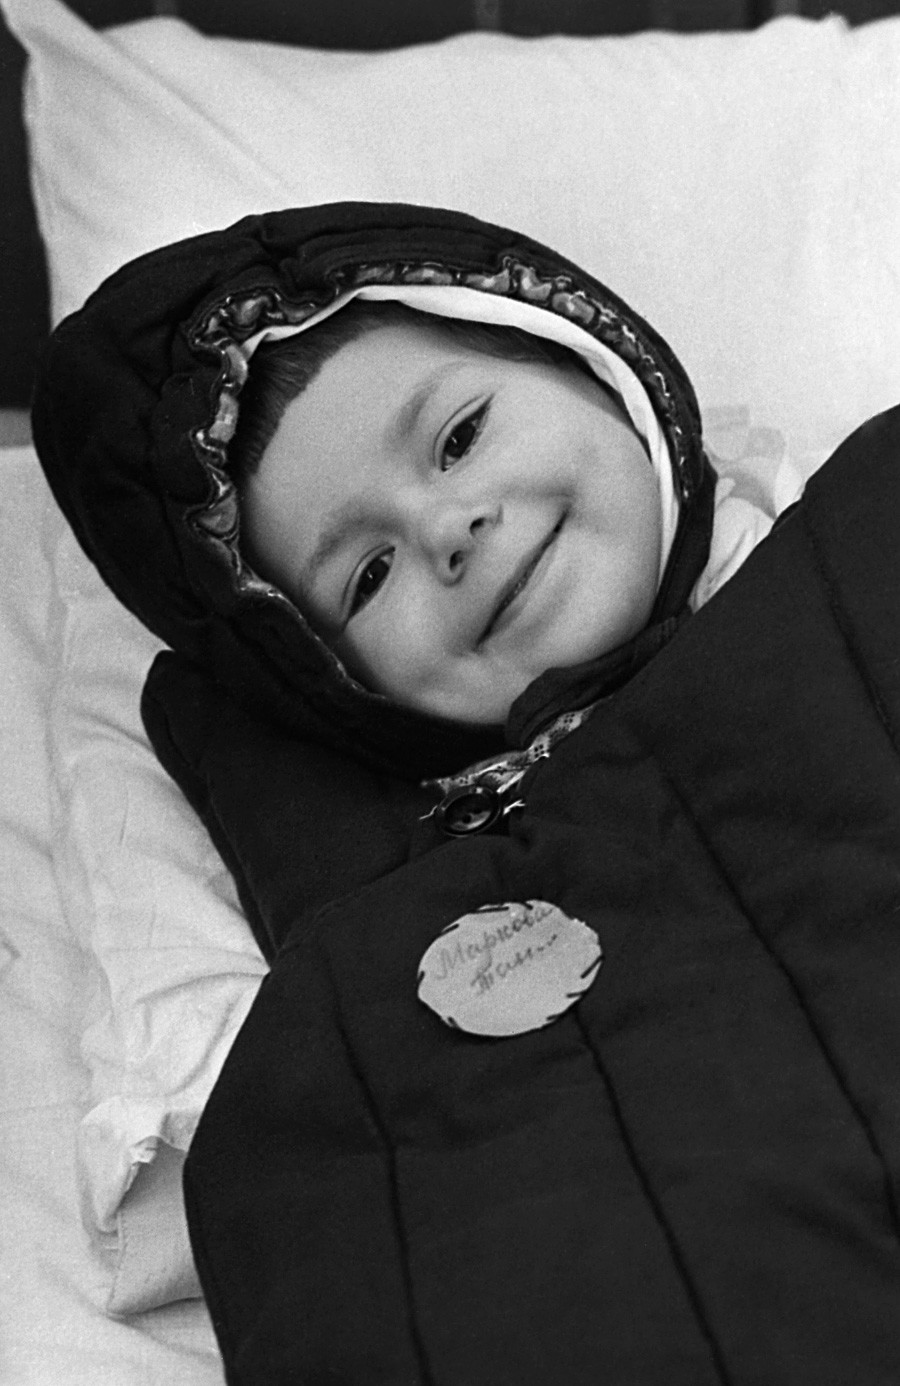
(136, 401)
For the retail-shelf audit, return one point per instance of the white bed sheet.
(53, 1286)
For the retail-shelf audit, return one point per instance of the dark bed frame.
(353, 24)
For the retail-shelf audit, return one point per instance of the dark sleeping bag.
(690, 1177)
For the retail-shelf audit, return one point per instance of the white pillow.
(734, 188)
(147, 896)
(741, 190)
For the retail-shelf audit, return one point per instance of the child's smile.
(456, 523)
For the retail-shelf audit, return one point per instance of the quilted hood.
(136, 403)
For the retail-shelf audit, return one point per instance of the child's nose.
(451, 532)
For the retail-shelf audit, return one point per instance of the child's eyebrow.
(407, 416)
(338, 526)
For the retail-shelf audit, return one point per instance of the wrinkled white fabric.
(757, 481)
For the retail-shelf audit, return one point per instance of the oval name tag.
(507, 969)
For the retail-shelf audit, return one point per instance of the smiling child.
(445, 514)
(439, 500)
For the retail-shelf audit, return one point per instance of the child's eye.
(463, 436)
(370, 579)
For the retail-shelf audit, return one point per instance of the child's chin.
(477, 708)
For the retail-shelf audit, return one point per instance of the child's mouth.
(520, 580)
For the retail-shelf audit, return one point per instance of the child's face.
(454, 523)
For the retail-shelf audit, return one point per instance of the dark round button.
(471, 809)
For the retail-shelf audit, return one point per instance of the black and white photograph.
(450, 669)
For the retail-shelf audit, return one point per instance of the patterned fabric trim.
(503, 773)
